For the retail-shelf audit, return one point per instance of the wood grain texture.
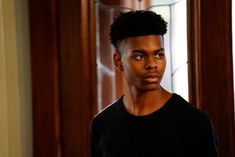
(45, 78)
(211, 73)
(64, 83)
(78, 74)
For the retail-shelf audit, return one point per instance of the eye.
(160, 55)
(139, 57)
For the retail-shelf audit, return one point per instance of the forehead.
(144, 42)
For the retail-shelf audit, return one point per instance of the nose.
(151, 63)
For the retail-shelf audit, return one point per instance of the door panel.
(63, 55)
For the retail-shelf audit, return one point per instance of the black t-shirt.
(178, 129)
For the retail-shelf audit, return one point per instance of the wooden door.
(63, 55)
(63, 76)
(210, 60)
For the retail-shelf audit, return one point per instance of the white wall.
(233, 36)
(179, 49)
(15, 83)
(176, 75)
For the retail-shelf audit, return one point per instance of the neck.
(141, 103)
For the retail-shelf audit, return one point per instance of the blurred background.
(56, 69)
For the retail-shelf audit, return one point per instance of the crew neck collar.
(154, 113)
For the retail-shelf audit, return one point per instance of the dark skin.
(142, 61)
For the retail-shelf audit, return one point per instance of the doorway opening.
(109, 81)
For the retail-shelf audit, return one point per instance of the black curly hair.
(136, 23)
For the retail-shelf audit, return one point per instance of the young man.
(147, 121)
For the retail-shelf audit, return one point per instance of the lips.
(152, 77)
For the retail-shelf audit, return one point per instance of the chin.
(151, 88)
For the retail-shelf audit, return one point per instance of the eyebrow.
(143, 51)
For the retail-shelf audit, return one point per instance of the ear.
(117, 59)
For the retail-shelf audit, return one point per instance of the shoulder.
(189, 110)
(198, 119)
(200, 124)
(108, 114)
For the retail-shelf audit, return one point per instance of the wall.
(15, 89)
(233, 31)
